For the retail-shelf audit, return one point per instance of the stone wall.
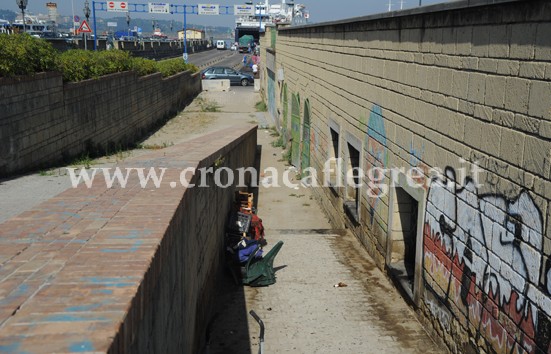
(44, 121)
(130, 269)
(457, 91)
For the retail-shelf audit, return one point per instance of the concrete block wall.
(44, 121)
(122, 270)
(465, 88)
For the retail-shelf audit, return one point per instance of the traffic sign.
(185, 57)
(76, 19)
(84, 28)
(117, 6)
(159, 8)
(208, 9)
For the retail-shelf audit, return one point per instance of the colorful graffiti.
(483, 261)
(377, 152)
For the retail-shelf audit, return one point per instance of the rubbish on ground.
(340, 285)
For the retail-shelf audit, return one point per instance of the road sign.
(159, 8)
(117, 6)
(185, 57)
(76, 19)
(243, 10)
(111, 24)
(208, 9)
(84, 28)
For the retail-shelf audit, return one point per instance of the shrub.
(171, 67)
(113, 61)
(22, 55)
(76, 65)
(143, 66)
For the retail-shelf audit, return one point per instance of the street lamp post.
(292, 4)
(22, 4)
(128, 23)
(87, 15)
(260, 11)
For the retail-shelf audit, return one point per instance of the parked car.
(221, 72)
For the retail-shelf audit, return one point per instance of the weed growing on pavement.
(46, 173)
(287, 156)
(278, 142)
(84, 161)
(261, 106)
(273, 131)
(208, 106)
(155, 146)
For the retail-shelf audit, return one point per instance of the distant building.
(192, 34)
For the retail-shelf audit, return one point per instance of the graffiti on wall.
(377, 152)
(483, 261)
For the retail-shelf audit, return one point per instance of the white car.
(233, 47)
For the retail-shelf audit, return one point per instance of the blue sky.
(320, 10)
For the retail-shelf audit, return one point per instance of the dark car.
(221, 73)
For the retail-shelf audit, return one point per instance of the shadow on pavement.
(229, 331)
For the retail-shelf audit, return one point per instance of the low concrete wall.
(462, 88)
(215, 85)
(44, 121)
(123, 270)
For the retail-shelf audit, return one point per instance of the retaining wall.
(123, 270)
(44, 121)
(452, 87)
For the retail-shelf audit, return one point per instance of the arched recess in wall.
(305, 161)
(295, 129)
(285, 102)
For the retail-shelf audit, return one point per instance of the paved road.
(215, 57)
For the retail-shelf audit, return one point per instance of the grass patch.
(155, 146)
(208, 106)
(261, 106)
(83, 161)
(273, 131)
(46, 173)
(287, 156)
(278, 142)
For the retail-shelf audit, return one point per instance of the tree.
(7, 15)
